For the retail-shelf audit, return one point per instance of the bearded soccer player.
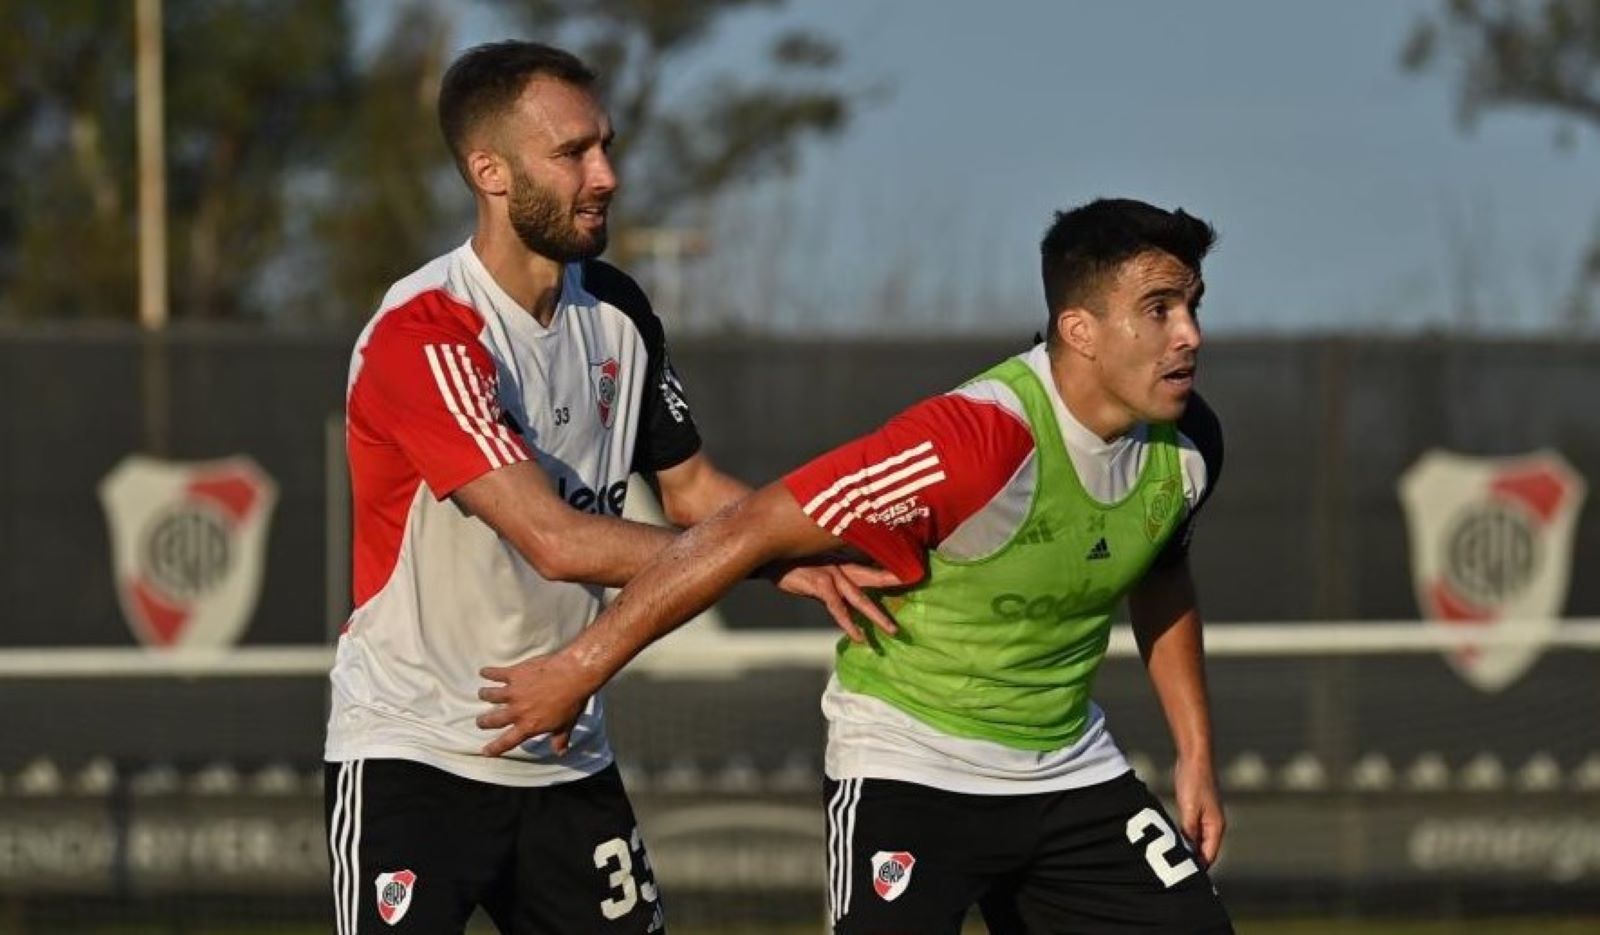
(966, 761)
(496, 405)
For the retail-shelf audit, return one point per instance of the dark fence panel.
(140, 795)
(1306, 523)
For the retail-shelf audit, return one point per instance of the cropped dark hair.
(1087, 244)
(486, 80)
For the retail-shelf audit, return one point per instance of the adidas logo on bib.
(1100, 551)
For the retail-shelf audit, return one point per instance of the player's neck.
(1087, 399)
(532, 280)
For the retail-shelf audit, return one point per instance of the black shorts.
(1106, 858)
(415, 849)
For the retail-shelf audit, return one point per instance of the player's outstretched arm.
(561, 543)
(566, 544)
(694, 490)
(1166, 623)
(546, 693)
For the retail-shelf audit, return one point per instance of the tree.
(680, 150)
(398, 188)
(304, 175)
(243, 114)
(246, 116)
(65, 187)
(1521, 54)
(387, 196)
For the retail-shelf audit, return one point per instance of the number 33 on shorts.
(615, 858)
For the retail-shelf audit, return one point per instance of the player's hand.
(1200, 815)
(539, 695)
(839, 588)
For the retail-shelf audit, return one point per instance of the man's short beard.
(545, 227)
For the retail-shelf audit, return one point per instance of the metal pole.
(152, 168)
(154, 377)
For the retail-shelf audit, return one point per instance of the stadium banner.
(1491, 548)
(178, 843)
(732, 844)
(188, 546)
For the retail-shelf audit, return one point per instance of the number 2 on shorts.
(621, 853)
(1156, 851)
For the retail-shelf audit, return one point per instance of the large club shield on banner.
(1491, 549)
(188, 544)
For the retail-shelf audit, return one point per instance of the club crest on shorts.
(607, 378)
(188, 547)
(394, 894)
(891, 873)
(1491, 549)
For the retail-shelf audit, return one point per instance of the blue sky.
(1344, 190)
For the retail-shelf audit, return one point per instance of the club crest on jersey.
(188, 546)
(891, 873)
(1161, 502)
(394, 894)
(1491, 550)
(607, 378)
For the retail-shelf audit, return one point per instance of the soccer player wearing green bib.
(967, 762)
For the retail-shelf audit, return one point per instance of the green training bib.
(1006, 647)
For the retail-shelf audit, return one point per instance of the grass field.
(1275, 926)
(1511, 926)
(1415, 927)
(1521, 926)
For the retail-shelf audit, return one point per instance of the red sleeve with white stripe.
(431, 389)
(899, 492)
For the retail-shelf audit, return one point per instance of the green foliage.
(388, 196)
(1530, 54)
(252, 87)
(303, 175)
(727, 130)
(255, 88)
(1544, 54)
(66, 186)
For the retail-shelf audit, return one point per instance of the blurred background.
(835, 208)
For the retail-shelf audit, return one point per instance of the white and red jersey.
(954, 475)
(450, 380)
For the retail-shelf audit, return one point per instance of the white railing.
(701, 650)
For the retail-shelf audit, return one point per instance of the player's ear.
(488, 171)
(1075, 329)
